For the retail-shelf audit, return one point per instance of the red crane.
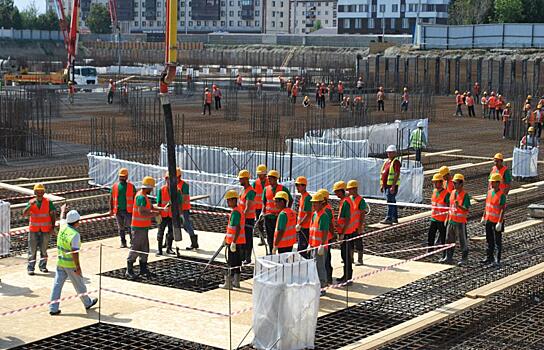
(70, 34)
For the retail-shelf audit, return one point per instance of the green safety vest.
(416, 139)
(64, 247)
(391, 174)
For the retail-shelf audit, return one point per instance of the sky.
(22, 4)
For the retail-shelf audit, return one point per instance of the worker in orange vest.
(249, 204)
(340, 91)
(217, 96)
(289, 88)
(357, 224)
(164, 201)
(439, 212)
(259, 185)
(459, 103)
(469, 101)
(111, 91)
(499, 105)
(319, 233)
(186, 211)
(207, 102)
(493, 219)
(235, 239)
(71, 92)
(142, 213)
(42, 213)
(294, 93)
(121, 201)
(332, 232)
(304, 215)
(405, 98)
(457, 220)
(343, 227)
(492, 105)
(446, 176)
(380, 99)
(270, 210)
(506, 114)
(503, 171)
(476, 91)
(285, 234)
(485, 105)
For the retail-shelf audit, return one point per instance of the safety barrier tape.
(84, 221)
(31, 307)
(208, 212)
(413, 249)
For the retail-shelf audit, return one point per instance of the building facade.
(307, 15)
(389, 16)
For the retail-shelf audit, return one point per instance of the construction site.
(74, 143)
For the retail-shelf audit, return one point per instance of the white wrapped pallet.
(525, 162)
(5, 239)
(285, 302)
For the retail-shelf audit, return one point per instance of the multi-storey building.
(307, 15)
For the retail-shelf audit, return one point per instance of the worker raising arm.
(235, 239)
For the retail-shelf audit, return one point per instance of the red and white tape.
(209, 212)
(84, 221)
(89, 189)
(35, 306)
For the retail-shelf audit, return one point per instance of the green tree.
(9, 15)
(470, 11)
(48, 21)
(98, 20)
(509, 11)
(29, 16)
(317, 25)
(533, 11)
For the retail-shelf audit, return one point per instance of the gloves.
(499, 227)
(482, 221)
(274, 251)
(298, 228)
(320, 250)
(232, 247)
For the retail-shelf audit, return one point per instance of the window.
(222, 23)
(358, 22)
(238, 3)
(231, 23)
(394, 8)
(143, 23)
(222, 13)
(340, 9)
(222, 4)
(382, 8)
(190, 23)
(273, 13)
(326, 13)
(352, 8)
(135, 23)
(405, 23)
(257, 3)
(214, 23)
(273, 4)
(410, 7)
(143, 13)
(334, 23)
(281, 14)
(256, 13)
(182, 23)
(158, 23)
(345, 23)
(231, 3)
(135, 5)
(281, 4)
(402, 8)
(326, 21)
(373, 8)
(281, 24)
(273, 24)
(393, 23)
(319, 13)
(239, 23)
(257, 23)
(248, 23)
(239, 13)
(198, 23)
(231, 13)
(370, 23)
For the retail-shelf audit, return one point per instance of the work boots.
(497, 260)
(489, 258)
(464, 259)
(359, 259)
(227, 284)
(236, 280)
(144, 270)
(130, 271)
(159, 249)
(169, 241)
(194, 243)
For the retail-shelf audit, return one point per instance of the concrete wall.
(30, 34)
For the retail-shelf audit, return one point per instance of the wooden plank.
(464, 166)
(34, 179)
(533, 184)
(56, 182)
(482, 197)
(27, 191)
(425, 154)
(467, 157)
(513, 228)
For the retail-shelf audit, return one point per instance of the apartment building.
(308, 15)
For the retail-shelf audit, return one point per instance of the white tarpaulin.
(285, 302)
(525, 162)
(5, 220)
(328, 148)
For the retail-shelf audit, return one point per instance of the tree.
(533, 11)
(98, 20)
(47, 21)
(29, 16)
(317, 25)
(9, 15)
(509, 11)
(470, 11)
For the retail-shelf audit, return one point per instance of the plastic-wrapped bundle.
(285, 302)
(5, 243)
(525, 162)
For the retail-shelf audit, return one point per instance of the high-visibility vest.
(492, 102)
(498, 104)
(506, 115)
(330, 212)
(250, 214)
(138, 220)
(271, 208)
(493, 206)
(448, 185)
(501, 171)
(416, 138)
(340, 221)
(316, 235)
(354, 214)
(457, 214)
(64, 247)
(391, 174)
(289, 237)
(231, 230)
(294, 91)
(40, 220)
(131, 189)
(340, 88)
(439, 210)
(259, 189)
(165, 199)
(185, 198)
(470, 101)
(304, 223)
(484, 101)
(459, 99)
(208, 97)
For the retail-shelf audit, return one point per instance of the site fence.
(5, 222)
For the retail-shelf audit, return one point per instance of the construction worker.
(42, 213)
(418, 140)
(289, 88)
(294, 93)
(340, 91)
(469, 101)
(405, 98)
(238, 82)
(506, 114)
(71, 92)
(493, 218)
(248, 203)
(530, 140)
(448, 182)
(476, 91)
(259, 185)
(164, 202)
(390, 181)
(459, 103)
(332, 233)
(185, 211)
(68, 266)
(111, 91)
(217, 96)
(270, 211)
(503, 171)
(439, 212)
(142, 212)
(319, 232)
(285, 234)
(259, 88)
(121, 202)
(485, 105)
(235, 239)
(457, 220)
(499, 104)
(304, 215)
(343, 228)
(322, 93)
(330, 90)
(380, 99)
(359, 84)
(207, 102)
(492, 105)
(306, 102)
(539, 118)
(357, 223)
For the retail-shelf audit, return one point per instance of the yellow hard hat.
(495, 177)
(531, 129)
(508, 105)
(243, 174)
(261, 169)
(148, 182)
(324, 192)
(352, 184)
(123, 172)
(340, 185)
(438, 177)
(498, 156)
(39, 187)
(444, 170)
(178, 171)
(230, 194)
(458, 177)
(456, 92)
(529, 97)
(301, 180)
(317, 197)
(274, 173)
(485, 93)
(282, 195)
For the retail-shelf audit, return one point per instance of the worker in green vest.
(389, 183)
(68, 246)
(418, 140)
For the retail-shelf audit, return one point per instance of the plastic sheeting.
(285, 302)
(5, 240)
(328, 148)
(525, 162)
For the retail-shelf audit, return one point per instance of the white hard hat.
(72, 216)
(420, 124)
(391, 148)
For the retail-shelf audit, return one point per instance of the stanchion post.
(100, 286)
(230, 307)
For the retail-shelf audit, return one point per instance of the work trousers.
(234, 259)
(392, 212)
(485, 111)
(418, 154)
(506, 128)
(209, 107)
(139, 246)
(294, 99)
(320, 261)
(453, 231)
(124, 219)
(346, 251)
(37, 241)
(432, 238)
(217, 102)
(494, 242)
(340, 96)
(538, 129)
(187, 224)
(270, 226)
(357, 243)
(249, 240)
(471, 111)
(491, 113)
(459, 111)
(110, 97)
(328, 265)
(61, 275)
(303, 237)
(381, 105)
(498, 114)
(404, 106)
(166, 222)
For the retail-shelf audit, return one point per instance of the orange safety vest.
(139, 220)
(270, 203)
(484, 101)
(294, 91)
(340, 88)
(459, 99)
(259, 192)
(439, 210)
(493, 206)
(165, 199)
(208, 97)
(290, 234)
(304, 223)
(498, 104)
(448, 185)
(40, 220)
(492, 102)
(231, 230)
(470, 101)
(129, 195)
(316, 236)
(333, 221)
(243, 202)
(502, 171)
(355, 214)
(456, 214)
(185, 198)
(341, 222)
